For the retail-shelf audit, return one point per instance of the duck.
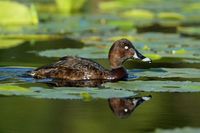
(72, 68)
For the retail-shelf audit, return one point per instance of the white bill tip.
(146, 60)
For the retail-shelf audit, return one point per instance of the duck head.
(122, 50)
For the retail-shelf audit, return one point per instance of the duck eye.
(125, 110)
(126, 47)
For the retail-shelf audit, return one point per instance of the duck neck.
(119, 73)
(115, 63)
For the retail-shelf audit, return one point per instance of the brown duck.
(79, 69)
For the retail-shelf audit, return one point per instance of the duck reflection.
(123, 107)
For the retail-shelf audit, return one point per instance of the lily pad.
(156, 86)
(63, 92)
(110, 6)
(68, 6)
(6, 43)
(190, 31)
(140, 17)
(167, 73)
(178, 130)
(93, 52)
(14, 13)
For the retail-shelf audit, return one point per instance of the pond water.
(164, 110)
(168, 90)
(80, 111)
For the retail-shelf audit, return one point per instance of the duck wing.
(71, 68)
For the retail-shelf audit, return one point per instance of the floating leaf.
(170, 16)
(156, 86)
(63, 92)
(140, 17)
(68, 6)
(93, 52)
(180, 51)
(147, 48)
(14, 13)
(185, 73)
(110, 5)
(122, 24)
(139, 14)
(8, 89)
(153, 56)
(178, 130)
(6, 43)
(192, 7)
(86, 96)
(12, 88)
(190, 31)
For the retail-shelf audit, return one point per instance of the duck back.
(72, 68)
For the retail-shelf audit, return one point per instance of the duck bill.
(141, 57)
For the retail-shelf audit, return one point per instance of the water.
(164, 110)
(32, 106)
(23, 113)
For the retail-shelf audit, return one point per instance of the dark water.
(164, 110)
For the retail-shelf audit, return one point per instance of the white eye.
(125, 110)
(126, 47)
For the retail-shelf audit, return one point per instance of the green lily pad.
(167, 73)
(169, 45)
(58, 29)
(93, 52)
(14, 13)
(68, 6)
(190, 31)
(170, 16)
(13, 90)
(6, 43)
(156, 86)
(63, 92)
(110, 6)
(122, 24)
(139, 14)
(179, 130)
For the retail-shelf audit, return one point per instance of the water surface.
(164, 110)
